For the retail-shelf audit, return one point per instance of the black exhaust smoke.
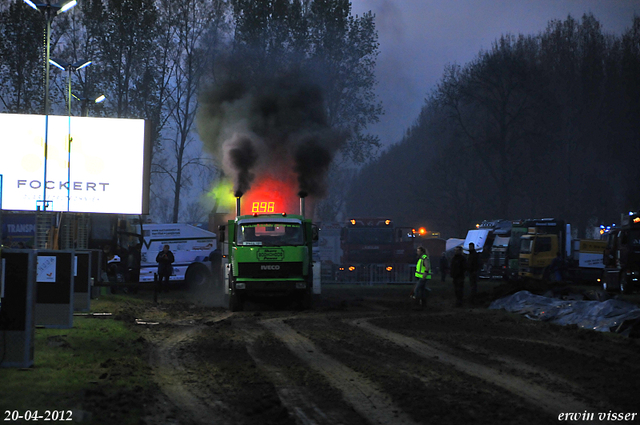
(241, 157)
(312, 162)
(279, 124)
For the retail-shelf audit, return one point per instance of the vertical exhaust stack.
(238, 195)
(302, 195)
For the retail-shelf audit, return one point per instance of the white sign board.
(106, 163)
(46, 269)
(591, 260)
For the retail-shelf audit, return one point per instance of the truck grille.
(524, 262)
(269, 270)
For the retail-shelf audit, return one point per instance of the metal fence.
(368, 274)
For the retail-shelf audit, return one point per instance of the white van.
(190, 245)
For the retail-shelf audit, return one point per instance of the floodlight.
(59, 64)
(32, 4)
(67, 6)
(79, 65)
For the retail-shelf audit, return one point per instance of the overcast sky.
(419, 37)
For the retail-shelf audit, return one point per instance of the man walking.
(457, 269)
(423, 273)
(444, 265)
(473, 262)
(164, 259)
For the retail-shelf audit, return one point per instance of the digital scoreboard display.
(261, 207)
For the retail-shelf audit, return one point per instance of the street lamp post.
(50, 11)
(69, 68)
(85, 103)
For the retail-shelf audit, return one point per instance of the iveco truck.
(269, 254)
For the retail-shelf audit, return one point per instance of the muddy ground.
(363, 356)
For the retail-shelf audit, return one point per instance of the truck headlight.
(301, 285)
(240, 285)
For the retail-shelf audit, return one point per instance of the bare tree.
(195, 27)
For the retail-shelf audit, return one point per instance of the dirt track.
(363, 357)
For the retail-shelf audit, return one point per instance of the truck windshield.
(369, 235)
(514, 241)
(543, 245)
(525, 246)
(270, 234)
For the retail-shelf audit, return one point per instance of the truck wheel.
(307, 300)
(197, 276)
(236, 303)
(303, 301)
(625, 285)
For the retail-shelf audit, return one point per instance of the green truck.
(269, 255)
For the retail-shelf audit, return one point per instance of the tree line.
(542, 125)
(157, 59)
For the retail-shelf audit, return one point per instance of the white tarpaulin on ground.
(604, 316)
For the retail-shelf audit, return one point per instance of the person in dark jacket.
(473, 264)
(457, 270)
(164, 259)
(556, 268)
(216, 266)
(444, 265)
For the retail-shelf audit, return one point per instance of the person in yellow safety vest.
(423, 273)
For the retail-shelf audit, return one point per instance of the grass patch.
(99, 366)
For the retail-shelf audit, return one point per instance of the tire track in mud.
(174, 379)
(549, 401)
(297, 399)
(517, 365)
(363, 395)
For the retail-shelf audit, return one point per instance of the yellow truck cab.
(537, 251)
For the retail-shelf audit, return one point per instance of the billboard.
(106, 169)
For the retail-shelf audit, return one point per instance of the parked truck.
(547, 248)
(374, 250)
(488, 238)
(269, 254)
(622, 256)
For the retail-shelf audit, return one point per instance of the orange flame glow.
(271, 195)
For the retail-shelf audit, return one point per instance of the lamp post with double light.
(50, 11)
(69, 68)
(86, 101)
